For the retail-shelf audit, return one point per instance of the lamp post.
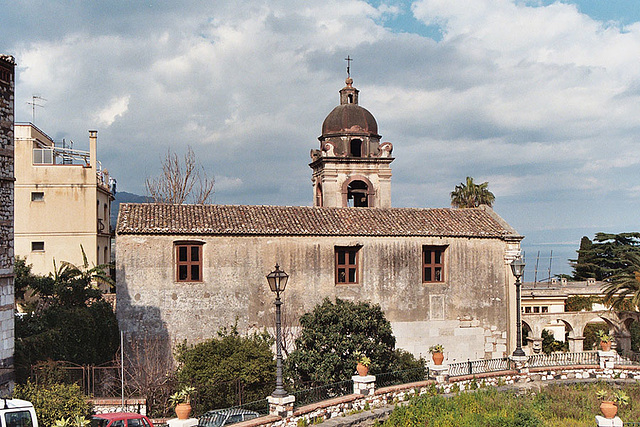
(277, 282)
(517, 268)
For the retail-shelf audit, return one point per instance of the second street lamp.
(517, 268)
(277, 283)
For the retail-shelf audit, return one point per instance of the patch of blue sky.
(401, 20)
(622, 12)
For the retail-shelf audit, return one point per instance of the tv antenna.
(34, 104)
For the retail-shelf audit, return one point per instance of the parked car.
(17, 413)
(120, 419)
(223, 417)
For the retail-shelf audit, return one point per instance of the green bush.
(331, 337)
(54, 401)
(219, 366)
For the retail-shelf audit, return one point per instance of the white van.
(17, 413)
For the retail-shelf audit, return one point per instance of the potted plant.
(182, 402)
(605, 339)
(437, 353)
(611, 401)
(363, 363)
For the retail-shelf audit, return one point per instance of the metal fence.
(324, 392)
(260, 406)
(563, 359)
(472, 367)
(401, 377)
(98, 381)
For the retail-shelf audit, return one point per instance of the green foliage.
(554, 405)
(622, 292)
(590, 333)
(331, 335)
(72, 324)
(606, 256)
(551, 345)
(78, 334)
(54, 401)
(580, 303)
(214, 366)
(471, 195)
(182, 396)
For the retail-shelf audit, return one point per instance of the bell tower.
(351, 168)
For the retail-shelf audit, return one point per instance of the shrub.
(54, 401)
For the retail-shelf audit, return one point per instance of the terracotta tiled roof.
(240, 220)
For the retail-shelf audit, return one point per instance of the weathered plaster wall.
(467, 313)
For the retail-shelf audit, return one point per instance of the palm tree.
(623, 291)
(471, 195)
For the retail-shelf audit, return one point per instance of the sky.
(539, 98)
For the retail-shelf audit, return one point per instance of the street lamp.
(277, 282)
(517, 268)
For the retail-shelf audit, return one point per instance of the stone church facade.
(442, 276)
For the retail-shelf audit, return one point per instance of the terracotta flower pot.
(605, 346)
(437, 358)
(609, 409)
(183, 410)
(362, 370)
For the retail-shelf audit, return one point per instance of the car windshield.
(18, 419)
(99, 422)
(211, 420)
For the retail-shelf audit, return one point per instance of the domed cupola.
(352, 167)
(349, 117)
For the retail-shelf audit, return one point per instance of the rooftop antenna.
(34, 104)
(348, 59)
(550, 261)
(535, 273)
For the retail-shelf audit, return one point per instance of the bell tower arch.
(352, 168)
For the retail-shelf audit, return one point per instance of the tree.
(181, 182)
(71, 321)
(471, 195)
(606, 256)
(333, 333)
(622, 292)
(219, 366)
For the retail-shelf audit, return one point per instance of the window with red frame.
(347, 265)
(189, 262)
(433, 263)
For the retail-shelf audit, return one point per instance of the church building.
(441, 275)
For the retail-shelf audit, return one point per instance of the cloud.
(540, 100)
(116, 108)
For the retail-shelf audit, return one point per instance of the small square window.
(37, 196)
(37, 246)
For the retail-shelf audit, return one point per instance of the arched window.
(350, 97)
(358, 194)
(319, 195)
(356, 148)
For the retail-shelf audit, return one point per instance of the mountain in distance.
(124, 197)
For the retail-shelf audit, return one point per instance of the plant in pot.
(363, 363)
(605, 339)
(182, 401)
(437, 353)
(611, 401)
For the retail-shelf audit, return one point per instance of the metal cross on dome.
(348, 59)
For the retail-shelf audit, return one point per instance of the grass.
(553, 406)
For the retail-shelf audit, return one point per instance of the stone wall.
(7, 79)
(467, 313)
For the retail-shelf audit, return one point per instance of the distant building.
(7, 84)
(63, 201)
(442, 276)
(544, 307)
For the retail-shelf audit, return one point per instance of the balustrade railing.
(401, 377)
(324, 392)
(472, 367)
(563, 359)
